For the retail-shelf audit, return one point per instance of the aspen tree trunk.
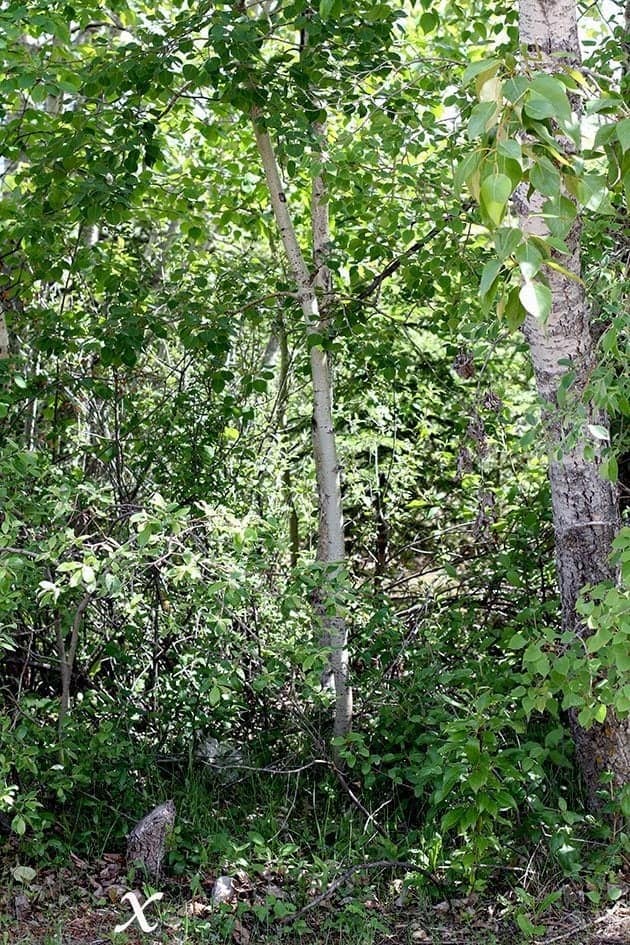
(330, 552)
(287, 485)
(585, 511)
(4, 335)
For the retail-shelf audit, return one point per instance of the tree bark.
(287, 484)
(585, 507)
(330, 551)
(4, 335)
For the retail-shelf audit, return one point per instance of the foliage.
(157, 514)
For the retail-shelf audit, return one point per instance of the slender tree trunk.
(287, 485)
(585, 510)
(4, 335)
(331, 550)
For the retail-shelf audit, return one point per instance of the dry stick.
(374, 864)
(370, 818)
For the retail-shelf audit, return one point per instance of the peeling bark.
(585, 507)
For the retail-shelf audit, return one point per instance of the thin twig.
(374, 864)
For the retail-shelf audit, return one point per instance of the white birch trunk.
(331, 550)
(585, 510)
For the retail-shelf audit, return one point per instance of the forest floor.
(83, 904)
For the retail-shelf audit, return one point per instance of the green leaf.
(479, 68)
(477, 779)
(609, 469)
(555, 93)
(526, 925)
(599, 432)
(559, 214)
(538, 107)
(593, 191)
(536, 299)
(506, 241)
(494, 195)
(511, 149)
(623, 133)
(482, 118)
(87, 573)
(605, 133)
(325, 8)
(514, 312)
(529, 259)
(465, 169)
(490, 272)
(214, 696)
(544, 177)
(428, 22)
(517, 642)
(598, 640)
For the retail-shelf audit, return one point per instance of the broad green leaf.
(536, 299)
(592, 191)
(506, 240)
(605, 104)
(515, 88)
(482, 67)
(514, 312)
(623, 133)
(529, 260)
(599, 432)
(511, 149)
(326, 8)
(609, 469)
(544, 177)
(488, 276)
(482, 118)
(555, 93)
(465, 169)
(491, 90)
(538, 107)
(495, 193)
(559, 214)
(605, 134)
(429, 21)
(87, 573)
(599, 639)
(477, 779)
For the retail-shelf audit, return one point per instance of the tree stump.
(146, 842)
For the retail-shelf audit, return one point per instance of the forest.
(314, 472)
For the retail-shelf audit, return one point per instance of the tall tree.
(330, 548)
(585, 510)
